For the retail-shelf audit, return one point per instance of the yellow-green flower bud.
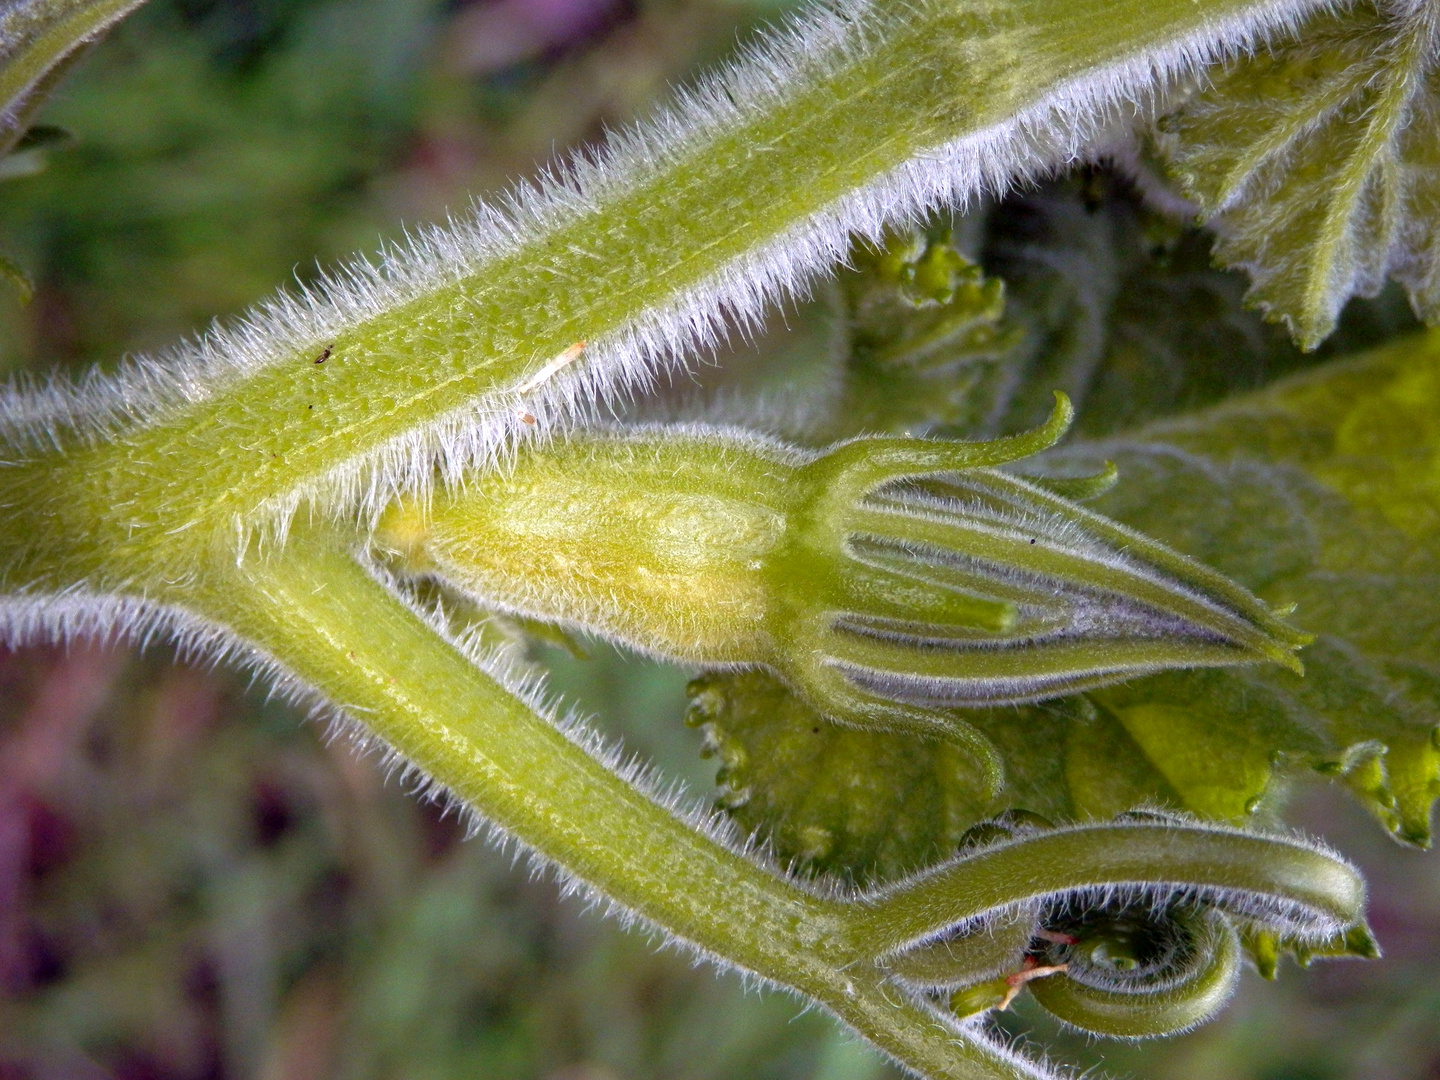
(885, 579)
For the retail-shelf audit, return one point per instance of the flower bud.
(886, 579)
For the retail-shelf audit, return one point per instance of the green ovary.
(661, 543)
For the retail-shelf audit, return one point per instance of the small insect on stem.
(324, 355)
(566, 357)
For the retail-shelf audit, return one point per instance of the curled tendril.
(1125, 929)
(1138, 971)
(1294, 887)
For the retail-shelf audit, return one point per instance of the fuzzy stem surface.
(331, 624)
(749, 191)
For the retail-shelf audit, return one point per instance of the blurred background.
(193, 884)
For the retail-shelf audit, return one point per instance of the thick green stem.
(332, 625)
(719, 205)
(342, 632)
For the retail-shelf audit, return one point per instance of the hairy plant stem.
(322, 616)
(720, 201)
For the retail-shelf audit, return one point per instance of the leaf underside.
(1318, 163)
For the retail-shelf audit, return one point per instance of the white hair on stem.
(1068, 123)
(74, 615)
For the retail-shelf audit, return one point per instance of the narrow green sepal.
(1360, 941)
(1080, 488)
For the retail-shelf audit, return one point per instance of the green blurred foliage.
(224, 147)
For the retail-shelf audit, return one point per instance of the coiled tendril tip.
(1131, 929)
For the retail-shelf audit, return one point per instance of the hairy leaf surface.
(1318, 161)
(867, 804)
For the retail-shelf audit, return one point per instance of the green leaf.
(39, 40)
(1323, 492)
(1121, 309)
(1317, 161)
